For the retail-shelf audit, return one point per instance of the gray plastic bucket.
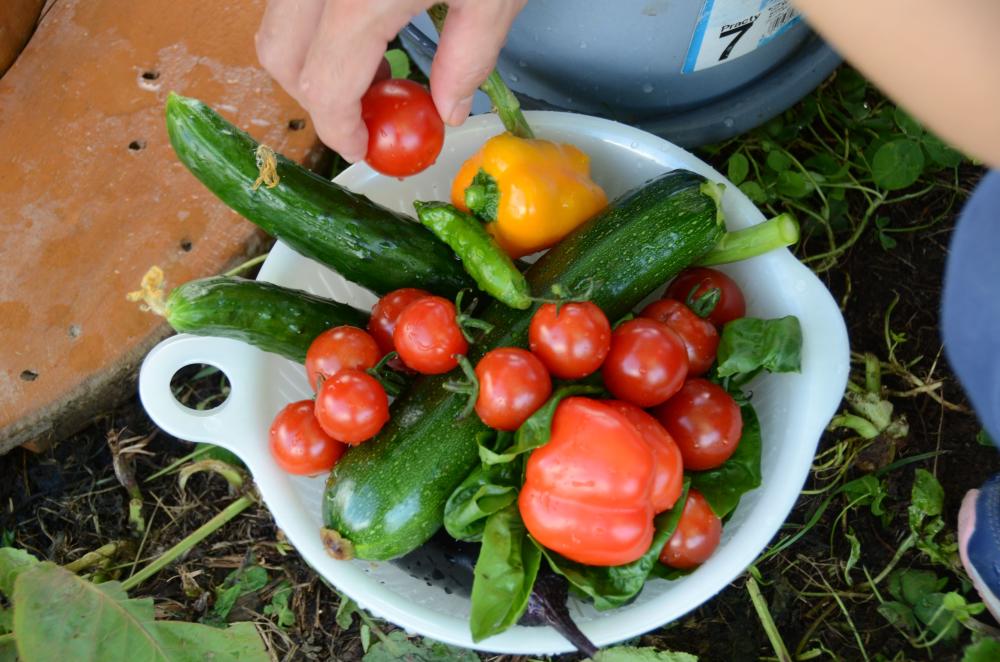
(662, 65)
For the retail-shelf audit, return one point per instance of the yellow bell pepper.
(532, 192)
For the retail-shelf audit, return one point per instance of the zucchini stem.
(774, 233)
(506, 105)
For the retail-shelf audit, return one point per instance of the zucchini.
(274, 318)
(387, 496)
(367, 243)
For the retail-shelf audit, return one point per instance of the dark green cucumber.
(367, 243)
(387, 496)
(274, 318)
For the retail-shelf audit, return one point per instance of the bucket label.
(728, 29)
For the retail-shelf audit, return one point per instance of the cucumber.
(367, 243)
(387, 496)
(274, 318)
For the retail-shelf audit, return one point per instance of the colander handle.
(231, 424)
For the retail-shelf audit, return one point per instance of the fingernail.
(460, 111)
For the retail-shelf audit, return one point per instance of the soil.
(66, 501)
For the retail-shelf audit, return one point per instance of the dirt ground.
(66, 501)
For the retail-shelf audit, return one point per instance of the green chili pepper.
(483, 259)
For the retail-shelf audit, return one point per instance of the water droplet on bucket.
(514, 78)
(729, 121)
(647, 88)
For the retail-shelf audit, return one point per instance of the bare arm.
(939, 60)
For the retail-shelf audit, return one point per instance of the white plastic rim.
(794, 409)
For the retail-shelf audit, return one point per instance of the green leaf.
(984, 650)
(737, 168)
(13, 562)
(983, 438)
(866, 491)
(778, 161)
(897, 164)
(397, 646)
(898, 614)
(535, 431)
(646, 654)
(915, 584)
(793, 184)
(6, 620)
(941, 152)
(754, 191)
(345, 613)
(487, 490)
(723, 486)
(827, 165)
(504, 574)
(219, 453)
(279, 609)
(59, 616)
(366, 636)
(907, 124)
(399, 63)
(238, 583)
(613, 586)
(482, 196)
(930, 611)
(854, 556)
(749, 344)
(926, 498)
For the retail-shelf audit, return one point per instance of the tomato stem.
(466, 321)
(468, 386)
(506, 105)
(774, 233)
(391, 381)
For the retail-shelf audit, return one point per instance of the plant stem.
(202, 532)
(777, 232)
(173, 466)
(506, 105)
(90, 559)
(764, 614)
(252, 262)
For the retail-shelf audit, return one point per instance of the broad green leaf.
(907, 124)
(827, 165)
(60, 616)
(613, 586)
(646, 654)
(793, 184)
(366, 636)
(399, 63)
(750, 344)
(219, 453)
(898, 614)
(504, 574)
(239, 582)
(926, 498)
(897, 164)
(488, 489)
(13, 561)
(984, 650)
(723, 486)
(279, 609)
(345, 613)
(915, 584)
(535, 431)
(941, 152)
(778, 161)
(754, 191)
(737, 168)
(6, 620)
(930, 611)
(8, 650)
(866, 491)
(397, 646)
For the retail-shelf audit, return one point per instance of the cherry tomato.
(699, 336)
(298, 443)
(386, 312)
(352, 406)
(338, 348)
(696, 537)
(405, 132)
(668, 479)
(427, 336)
(700, 280)
(705, 422)
(513, 383)
(647, 363)
(573, 342)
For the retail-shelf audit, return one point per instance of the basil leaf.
(482, 196)
(613, 586)
(488, 489)
(535, 431)
(749, 344)
(504, 575)
(723, 486)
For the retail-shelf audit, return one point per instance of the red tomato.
(427, 336)
(647, 363)
(586, 492)
(705, 422)
(573, 343)
(338, 348)
(513, 383)
(700, 280)
(699, 336)
(298, 443)
(696, 537)
(405, 132)
(668, 482)
(352, 406)
(386, 312)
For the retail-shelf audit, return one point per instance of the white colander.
(427, 596)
